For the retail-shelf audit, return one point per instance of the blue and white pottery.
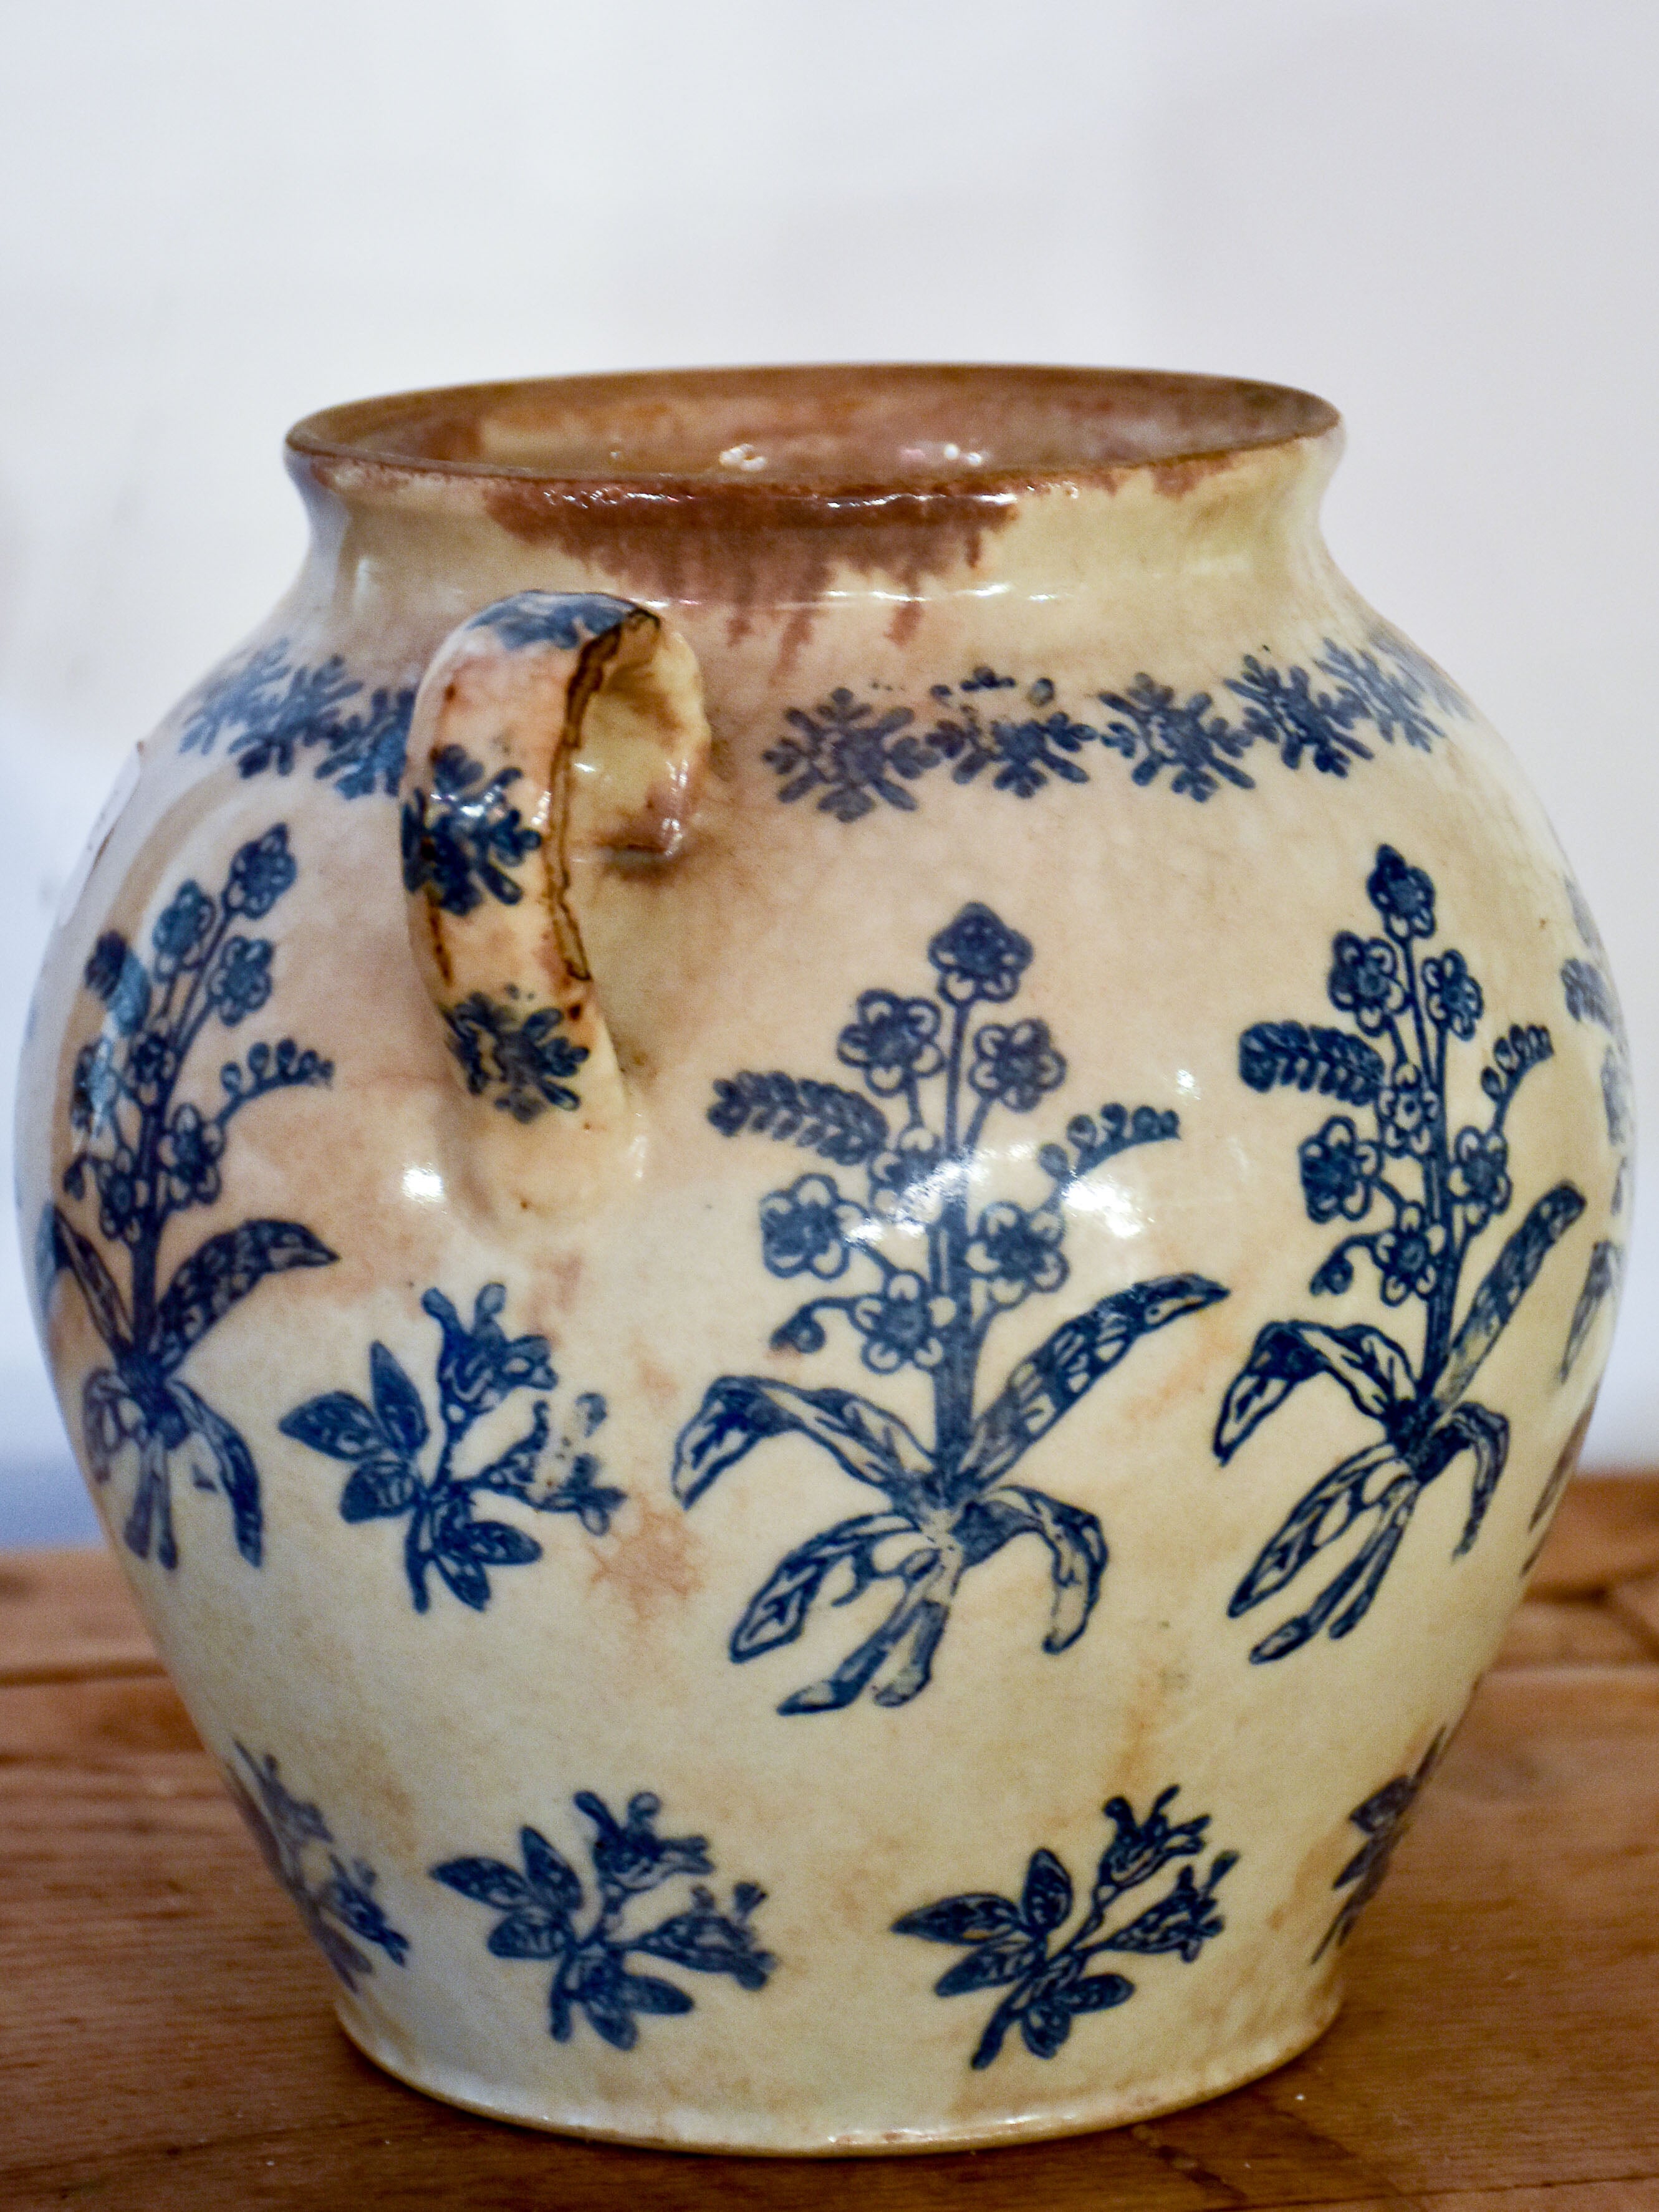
(826, 1186)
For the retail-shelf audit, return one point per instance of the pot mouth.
(815, 432)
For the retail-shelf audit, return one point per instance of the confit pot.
(826, 1188)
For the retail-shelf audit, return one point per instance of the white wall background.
(1442, 214)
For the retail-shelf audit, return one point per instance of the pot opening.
(817, 429)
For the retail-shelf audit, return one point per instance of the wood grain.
(66, 1616)
(167, 2040)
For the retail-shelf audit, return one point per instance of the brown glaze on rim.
(748, 487)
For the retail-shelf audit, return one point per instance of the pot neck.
(845, 492)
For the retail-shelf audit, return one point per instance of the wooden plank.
(166, 2040)
(1573, 1632)
(67, 1616)
(1607, 1531)
(1636, 1604)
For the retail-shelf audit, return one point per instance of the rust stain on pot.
(752, 550)
(657, 1558)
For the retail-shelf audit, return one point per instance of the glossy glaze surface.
(680, 1143)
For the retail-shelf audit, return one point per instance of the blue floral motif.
(542, 1903)
(857, 755)
(1013, 1943)
(1587, 984)
(807, 1226)
(1453, 997)
(1383, 1821)
(979, 957)
(950, 1503)
(1366, 982)
(901, 1324)
(1016, 1067)
(851, 754)
(1478, 1177)
(1339, 1171)
(148, 1156)
(1017, 1252)
(384, 1444)
(272, 709)
(1404, 896)
(1408, 1114)
(1392, 697)
(335, 1907)
(519, 1056)
(893, 1041)
(461, 841)
(1157, 729)
(1022, 754)
(1456, 1187)
(1282, 709)
(242, 983)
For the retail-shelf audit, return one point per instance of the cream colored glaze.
(700, 927)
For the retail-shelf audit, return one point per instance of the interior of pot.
(820, 427)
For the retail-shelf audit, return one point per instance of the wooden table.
(166, 2040)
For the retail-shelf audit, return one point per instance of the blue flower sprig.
(335, 1907)
(1436, 1193)
(1383, 1821)
(940, 1273)
(385, 1444)
(1012, 1944)
(547, 1915)
(148, 1155)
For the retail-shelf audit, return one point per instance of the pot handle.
(550, 730)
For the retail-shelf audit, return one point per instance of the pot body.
(712, 1400)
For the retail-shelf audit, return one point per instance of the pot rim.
(838, 432)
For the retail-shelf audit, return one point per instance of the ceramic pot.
(826, 1188)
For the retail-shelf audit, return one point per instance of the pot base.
(707, 2133)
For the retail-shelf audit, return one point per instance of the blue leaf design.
(1513, 1275)
(1333, 1062)
(533, 1932)
(1047, 1898)
(1099, 1993)
(486, 1881)
(993, 1965)
(221, 1272)
(975, 1918)
(740, 1411)
(67, 1248)
(491, 1541)
(232, 1467)
(1375, 1372)
(338, 1424)
(379, 1488)
(463, 1577)
(1043, 1389)
(397, 1401)
(778, 1612)
(1077, 1551)
(549, 1872)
